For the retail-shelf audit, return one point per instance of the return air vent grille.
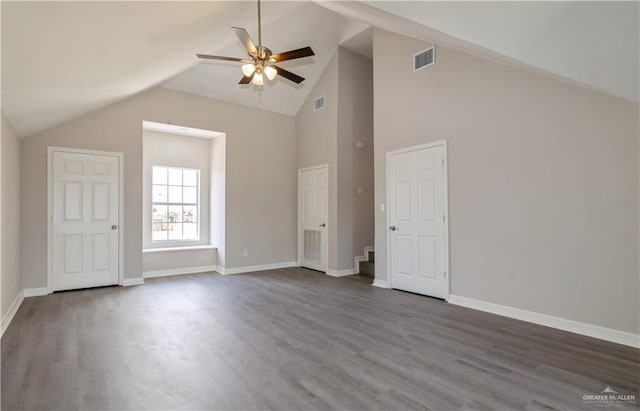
(424, 59)
(318, 104)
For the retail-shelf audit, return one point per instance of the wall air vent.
(424, 58)
(318, 104)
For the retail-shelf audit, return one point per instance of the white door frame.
(300, 171)
(120, 156)
(439, 143)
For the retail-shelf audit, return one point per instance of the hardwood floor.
(293, 339)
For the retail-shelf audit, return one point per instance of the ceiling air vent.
(424, 58)
(318, 104)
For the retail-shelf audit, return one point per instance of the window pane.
(175, 194)
(159, 224)
(190, 195)
(190, 231)
(190, 214)
(159, 194)
(159, 235)
(190, 177)
(178, 187)
(175, 214)
(159, 175)
(159, 213)
(175, 231)
(175, 176)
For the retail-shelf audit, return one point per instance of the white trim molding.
(6, 320)
(595, 331)
(365, 257)
(252, 268)
(180, 271)
(341, 273)
(132, 281)
(187, 248)
(380, 283)
(35, 292)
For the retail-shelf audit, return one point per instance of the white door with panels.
(312, 217)
(85, 220)
(417, 220)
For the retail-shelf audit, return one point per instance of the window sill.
(186, 248)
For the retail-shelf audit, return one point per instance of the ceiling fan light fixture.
(258, 80)
(248, 69)
(270, 72)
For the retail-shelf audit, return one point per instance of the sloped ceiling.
(596, 43)
(63, 59)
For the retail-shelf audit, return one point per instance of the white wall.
(11, 280)
(543, 181)
(173, 150)
(218, 197)
(260, 175)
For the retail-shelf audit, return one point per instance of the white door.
(85, 220)
(312, 217)
(417, 240)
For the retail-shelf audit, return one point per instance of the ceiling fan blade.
(246, 40)
(207, 56)
(289, 75)
(293, 54)
(247, 79)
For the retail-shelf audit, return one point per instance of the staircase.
(367, 268)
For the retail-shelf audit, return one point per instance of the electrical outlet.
(245, 253)
(360, 190)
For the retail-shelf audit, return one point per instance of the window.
(176, 205)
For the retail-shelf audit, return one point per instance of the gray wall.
(543, 181)
(260, 175)
(316, 134)
(355, 166)
(10, 209)
(328, 136)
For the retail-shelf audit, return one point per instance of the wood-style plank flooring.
(293, 339)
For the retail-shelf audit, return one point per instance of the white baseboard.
(341, 273)
(252, 268)
(595, 331)
(6, 320)
(35, 292)
(380, 283)
(179, 271)
(132, 281)
(357, 259)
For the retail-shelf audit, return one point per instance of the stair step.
(367, 268)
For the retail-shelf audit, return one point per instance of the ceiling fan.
(261, 61)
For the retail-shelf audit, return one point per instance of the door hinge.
(443, 161)
(443, 219)
(445, 274)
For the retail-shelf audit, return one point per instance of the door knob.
(114, 227)
(323, 225)
(393, 228)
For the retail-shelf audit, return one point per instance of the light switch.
(382, 207)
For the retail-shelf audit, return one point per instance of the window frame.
(197, 204)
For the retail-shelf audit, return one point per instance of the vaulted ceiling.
(63, 59)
